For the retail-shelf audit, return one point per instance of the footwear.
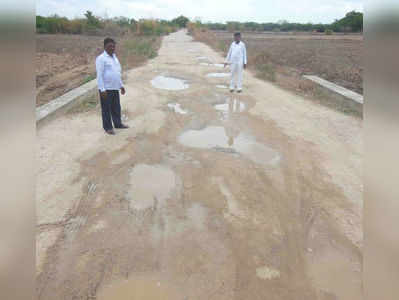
(123, 126)
(231, 90)
(239, 91)
(110, 132)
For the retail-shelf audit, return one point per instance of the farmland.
(284, 57)
(64, 62)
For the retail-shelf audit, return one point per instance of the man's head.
(109, 46)
(237, 37)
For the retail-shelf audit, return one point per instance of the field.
(285, 57)
(64, 62)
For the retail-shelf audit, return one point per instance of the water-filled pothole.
(230, 107)
(176, 107)
(138, 289)
(218, 75)
(212, 65)
(169, 83)
(150, 186)
(220, 139)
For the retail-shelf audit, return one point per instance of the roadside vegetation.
(66, 49)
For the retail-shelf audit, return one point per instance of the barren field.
(64, 62)
(284, 57)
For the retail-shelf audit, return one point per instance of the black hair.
(108, 40)
(237, 34)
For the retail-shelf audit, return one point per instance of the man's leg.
(239, 77)
(106, 112)
(116, 109)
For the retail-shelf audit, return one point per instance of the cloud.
(314, 11)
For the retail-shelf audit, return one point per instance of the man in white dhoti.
(237, 59)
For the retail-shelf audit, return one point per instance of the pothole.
(169, 83)
(221, 138)
(138, 289)
(150, 186)
(218, 75)
(212, 65)
(232, 106)
(176, 107)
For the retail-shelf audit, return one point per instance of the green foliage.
(328, 32)
(142, 46)
(352, 22)
(93, 25)
(181, 21)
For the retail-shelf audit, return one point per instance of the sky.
(301, 11)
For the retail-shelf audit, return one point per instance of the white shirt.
(237, 54)
(109, 72)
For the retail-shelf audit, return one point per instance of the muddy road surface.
(208, 195)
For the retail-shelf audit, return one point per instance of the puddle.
(221, 86)
(267, 273)
(231, 106)
(150, 186)
(212, 65)
(177, 108)
(169, 83)
(218, 75)
(138, 289)
(218, 138)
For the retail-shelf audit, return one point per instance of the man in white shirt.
(237, 59)
(109, 80)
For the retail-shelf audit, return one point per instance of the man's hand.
(123, 91)
(103, 95)
(245, 66)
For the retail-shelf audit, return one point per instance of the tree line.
(352, 22)
(94, 25)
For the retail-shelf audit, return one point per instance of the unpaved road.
(256, 196)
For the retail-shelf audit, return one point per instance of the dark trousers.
(111, 109)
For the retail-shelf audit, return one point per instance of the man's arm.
(100, 76)
(228, 57)
(245, 55)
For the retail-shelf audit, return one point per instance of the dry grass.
(284, 58)
(64, 62)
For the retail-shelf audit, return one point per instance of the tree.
(181, 21)
(92, 21)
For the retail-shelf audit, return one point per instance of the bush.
(328, 32)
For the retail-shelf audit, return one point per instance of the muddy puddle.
(176, 107)
(218, 75)
(150, 186)
(232, 106)
(212, 65)
(139, 289)
(169, 83)
(228, 139)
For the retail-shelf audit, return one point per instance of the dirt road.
(209, 195)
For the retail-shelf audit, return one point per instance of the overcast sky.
(315, 11)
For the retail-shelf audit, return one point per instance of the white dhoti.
(236, 70)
